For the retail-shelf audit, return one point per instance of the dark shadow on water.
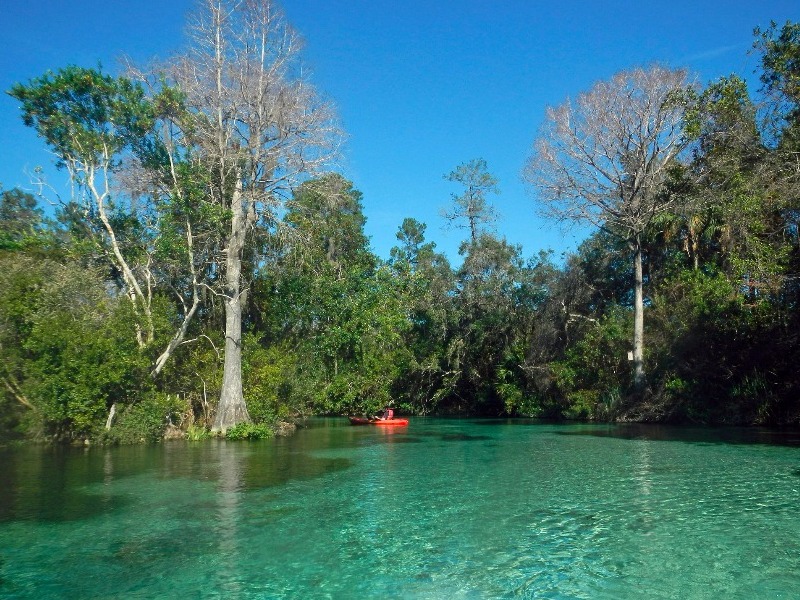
(381, 440)
(48, 484)
(445, 437)
(267, 473)
(519, 421)
(172, 547)
(418, 431)
(248, 465)
(56, 507)
(643, 431)
(423, 436)
(464, 437)
(693, 435)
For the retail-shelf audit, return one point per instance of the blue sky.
(421, 86)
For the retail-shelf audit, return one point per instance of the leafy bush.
(146, 420)
(74, 350)
(267, 375)
(583, 404)
(197, 433)
(249, 431)
(595, 370)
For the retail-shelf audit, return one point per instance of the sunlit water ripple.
(441, 509)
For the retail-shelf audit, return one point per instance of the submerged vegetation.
(210, 274)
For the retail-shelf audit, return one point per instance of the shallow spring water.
(440, 509)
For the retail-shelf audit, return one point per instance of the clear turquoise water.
(442, 509)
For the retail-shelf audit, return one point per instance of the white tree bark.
(259, 128)
(638, 317)
(95, 174)
(232, 408)
(603, 159)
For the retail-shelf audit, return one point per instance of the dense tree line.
(209, 273)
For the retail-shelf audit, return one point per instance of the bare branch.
(604, 158)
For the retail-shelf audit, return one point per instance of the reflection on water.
(49, 484)
(699, 435)
(442, 508)
(58, 484)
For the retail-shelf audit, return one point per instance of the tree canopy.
(211, 270)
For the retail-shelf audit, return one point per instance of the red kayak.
(384, 422)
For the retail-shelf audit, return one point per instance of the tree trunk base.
(229, 415)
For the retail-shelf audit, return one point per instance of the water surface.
(440, 509)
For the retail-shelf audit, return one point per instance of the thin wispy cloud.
(714, 53)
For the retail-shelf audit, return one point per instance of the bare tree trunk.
(694, 245)
(176, 340)
(135, 292)
(13, 387)
(232, 409)
(638, 318)
(257, 127)
(111, 414)
(604, 157)
(188, 315)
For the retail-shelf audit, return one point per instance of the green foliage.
(21, 220)
(471, 208)
(145, 420)
(359, 351)
(595, 371)
(195, 374)
(583, 405)
(342, 315)
(327, 219)
(492, 308)
(331, 329)
(509, 391)
(722, 358)
(721, 116)
(249, 431)
(424, 283)
(268, 382)
(67, 346)
(780, 48)
(83, 114)
(196, 433)
(411, 235)
(81, 367)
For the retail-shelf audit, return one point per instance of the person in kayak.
(386, 415)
